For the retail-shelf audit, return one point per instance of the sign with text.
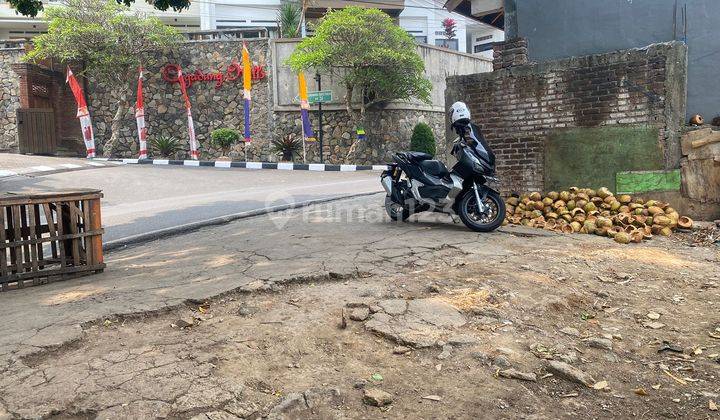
(234, 71)
(320, 96)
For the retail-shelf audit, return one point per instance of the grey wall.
(440, 63)
(565, 28)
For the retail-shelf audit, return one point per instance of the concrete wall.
(440, 63)
(565, 28)
(520, 108)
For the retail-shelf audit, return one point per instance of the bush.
(165, 146)
(287, 147)
(224, 138)
(422, 139)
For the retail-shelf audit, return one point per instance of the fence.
(49, 236)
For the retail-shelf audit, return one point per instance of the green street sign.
(320, 96)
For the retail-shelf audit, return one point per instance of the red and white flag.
(194, 153)
(140, 118)
(82, 113)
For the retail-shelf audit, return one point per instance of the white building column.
(207, 15)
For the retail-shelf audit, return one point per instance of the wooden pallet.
(49, 236)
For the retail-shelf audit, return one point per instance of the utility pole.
(318, 79)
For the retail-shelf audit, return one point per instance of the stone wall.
(518, 107)
(9, 99)
(388, 131)
(211, 108)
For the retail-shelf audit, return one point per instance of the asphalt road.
(140, 199)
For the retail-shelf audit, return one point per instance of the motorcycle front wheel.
(482, 222)
(396, 211)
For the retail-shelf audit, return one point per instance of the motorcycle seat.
(416, 157)
(435, 168)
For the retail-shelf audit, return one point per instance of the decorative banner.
(140, 118)
(82, 113)
(194, 154)
(247, 85)
(305, 107)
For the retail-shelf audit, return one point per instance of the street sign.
(319, 96)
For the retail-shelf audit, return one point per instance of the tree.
(289, 19)
(450, 29)
(376, 60)
(33, 7)
(423, 140)
(111, 43)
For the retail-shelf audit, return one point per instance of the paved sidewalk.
(14, 164)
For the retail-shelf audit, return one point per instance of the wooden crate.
(49, 236)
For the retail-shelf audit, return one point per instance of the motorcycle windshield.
(481, 148)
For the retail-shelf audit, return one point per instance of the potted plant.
(422, 139)
(224, 138)
(165, 146)
(287, 147)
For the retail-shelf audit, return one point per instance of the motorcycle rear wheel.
(482, 222)
(396, 212)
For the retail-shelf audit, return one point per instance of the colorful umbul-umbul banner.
(247, 85)
(305, 107)
(82, 113)
(140, 118)
(194, 153)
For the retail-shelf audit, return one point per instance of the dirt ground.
(440, 335)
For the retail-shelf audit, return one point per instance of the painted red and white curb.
(288, 166)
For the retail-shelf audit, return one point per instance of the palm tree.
(289, 17)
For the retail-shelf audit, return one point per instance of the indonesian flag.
(247, 85)
(194, 153)
(305, 107)
(140, 118)
(82, 113)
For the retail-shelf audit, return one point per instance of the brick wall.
(513, 52)
(518, 106)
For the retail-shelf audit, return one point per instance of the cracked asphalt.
(266, 342)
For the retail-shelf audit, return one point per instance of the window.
(483, 47)
(421, 39)
(447, 43)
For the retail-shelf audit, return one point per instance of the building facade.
(421, 18)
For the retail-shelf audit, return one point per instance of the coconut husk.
(614, 230)
(582, 196)
(566, 229)
(535, 196)
(625, 199)
(574, 190)
(589, 227)
(637, 236)
(624, 219)
(615, 206)
(655, 210)
(655, 229)
(666, 231)
(553, 195)
(624, 209)
(564, 195)
(622, 237)
(589, 207)
(552, 215)
(550, 225)
(576, 226)
(513, 201)
(685, 222)
(639, 220)
(603, 222)
(547, 201)
(602, 231)
(604, 192)
(629, 229)
(571, 204)
(559, 204)
(662, 220)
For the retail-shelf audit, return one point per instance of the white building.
(423, 20)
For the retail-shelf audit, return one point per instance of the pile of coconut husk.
(599, 212)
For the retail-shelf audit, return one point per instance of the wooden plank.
(32, 237)
(40, 240)
(16, 234)
(51, 228)
(55, 272)
(38, 234)
(24, 232)
(95, 225)
(10, 233)
(61, 231)
(88, 239)
(3, 252)
(73, 211)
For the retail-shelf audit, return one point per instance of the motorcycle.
(415, 183)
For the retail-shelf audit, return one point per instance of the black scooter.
(417, 183)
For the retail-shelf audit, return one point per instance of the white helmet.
(459, 112)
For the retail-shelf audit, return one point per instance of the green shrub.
(422, 139)
(165, 146)
(288, 147)
(224, 138)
